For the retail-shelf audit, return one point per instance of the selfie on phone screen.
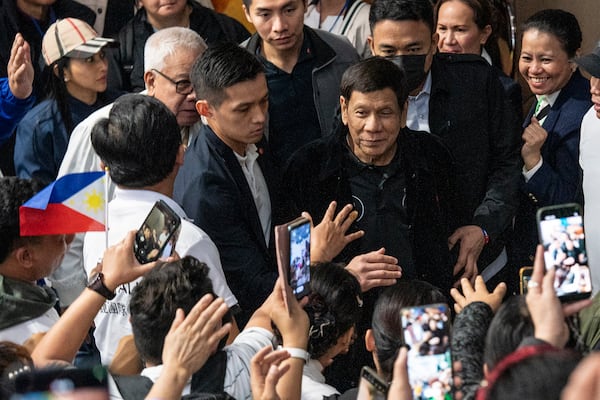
(427, 334)
(300, 258)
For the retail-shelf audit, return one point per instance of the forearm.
(63, 340)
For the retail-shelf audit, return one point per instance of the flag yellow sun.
(94, 201)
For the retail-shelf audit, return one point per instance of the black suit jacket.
(469, 111)
(213, 191)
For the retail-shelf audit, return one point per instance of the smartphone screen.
(524, 278)
(299, 276)
(158, 234)
(371, 386)
(59, 384)
(563, 237)
(427, 334)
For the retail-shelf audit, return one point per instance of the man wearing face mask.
(460, 99)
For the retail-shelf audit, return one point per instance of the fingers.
(538, 265)
(467, 287)
(330, 213)
(500, 290)
(452, 240)
(573, 308)
(177, 321)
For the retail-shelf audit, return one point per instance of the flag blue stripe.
(63, 188)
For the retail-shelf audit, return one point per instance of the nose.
(595, 86)
(279, 23)
(259, 115)
(372, 124)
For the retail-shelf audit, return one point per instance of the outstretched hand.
(375, 269)
(471, 241)
(20, 69)
(478, 292)
(265, 371)
(329, 237)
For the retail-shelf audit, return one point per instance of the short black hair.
(402, 10)
(138, 142)
(372, 74)
(559, 23)
(334, 306)
(155, 300)
(13, 193)
(221, 66)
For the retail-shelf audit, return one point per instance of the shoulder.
(70, 8)
(339, 44)
(41, 114)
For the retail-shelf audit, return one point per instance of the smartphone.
(64, 383)
(524, 277)
(292, 241)
(299, 267)
(426, 332)
(158, 234)
(371, 385)
(562, 234)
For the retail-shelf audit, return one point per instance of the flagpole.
(106, 178)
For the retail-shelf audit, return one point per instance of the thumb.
(534, 121)
(306, 215)
(381, 250)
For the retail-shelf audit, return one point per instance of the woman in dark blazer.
(550, 152)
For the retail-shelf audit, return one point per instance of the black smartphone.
(371, 386)
(64, 383)
(158, 234)
(562, 234)
(299, 268)
(524, 278)
(427, 334)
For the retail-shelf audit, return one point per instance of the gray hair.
(166, 42)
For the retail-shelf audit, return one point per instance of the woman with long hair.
(77, 70)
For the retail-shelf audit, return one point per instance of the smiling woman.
(74, 56)
(550, 151)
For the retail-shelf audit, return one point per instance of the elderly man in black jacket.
(459, 98)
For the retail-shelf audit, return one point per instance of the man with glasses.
(169, 56)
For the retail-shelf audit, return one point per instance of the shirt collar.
(148, 196)
(550, 98)
(426, 88)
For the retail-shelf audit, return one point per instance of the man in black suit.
(459, 98)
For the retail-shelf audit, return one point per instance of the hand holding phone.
(562, 234)
(158, 234)
(292, 241)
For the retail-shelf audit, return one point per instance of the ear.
(247, 13)
(370, 340)
(180, 154)
(344, 110)
(149, 80)
(55, 70)
(404, 115)
(24, 256)
(203, 108)
(102, 165)
(371, 44)
(485, 34)
(435, 38)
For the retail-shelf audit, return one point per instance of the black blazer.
(470, 112)
(213, 191)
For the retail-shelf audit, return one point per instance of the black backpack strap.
(211, 377)
(134, 387)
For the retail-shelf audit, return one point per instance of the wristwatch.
(96, 283)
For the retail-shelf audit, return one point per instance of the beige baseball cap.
(71, 37)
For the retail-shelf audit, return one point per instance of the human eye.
(441, 28)
(89, 59)
(525, 57)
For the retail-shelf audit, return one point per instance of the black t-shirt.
(379, 195)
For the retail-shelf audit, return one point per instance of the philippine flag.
(73, 203)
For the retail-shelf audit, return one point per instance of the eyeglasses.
(183, 86)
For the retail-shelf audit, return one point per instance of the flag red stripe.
(56, 219)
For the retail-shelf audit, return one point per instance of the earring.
(66, 79)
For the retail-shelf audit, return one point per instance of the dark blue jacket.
(213, 191)
(560, 177)
(11, 110)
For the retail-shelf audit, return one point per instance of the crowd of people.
(396, 127)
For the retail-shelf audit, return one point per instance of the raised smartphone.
(158, 234)
(562, 234)
(427, 334)
(371, 386)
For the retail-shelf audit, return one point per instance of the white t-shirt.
(21, 332)
(313, 382)
(237, 373)
(127, 211)
(589, 159)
